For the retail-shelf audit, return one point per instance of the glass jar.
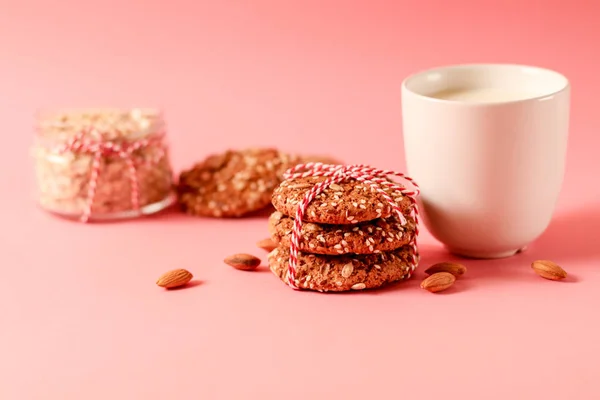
(102, 164)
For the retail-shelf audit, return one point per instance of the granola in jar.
(102, 164)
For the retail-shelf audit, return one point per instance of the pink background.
(81, 317)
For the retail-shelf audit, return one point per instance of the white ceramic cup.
(486, 143)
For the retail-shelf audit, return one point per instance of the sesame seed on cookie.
(348, 202)
(233, 183)
(327, 273)
(383, 234)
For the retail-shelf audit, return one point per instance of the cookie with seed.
(233, 183)
(383, 234)
(348, 202)
(327, 273)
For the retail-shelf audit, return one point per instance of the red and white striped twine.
(375, 178)
(83, 144)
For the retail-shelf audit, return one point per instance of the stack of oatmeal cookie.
(351, 237)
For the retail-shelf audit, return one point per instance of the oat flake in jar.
(102, 164)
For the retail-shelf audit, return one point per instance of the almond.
(174, 278)
(549, 270)
(267, 244)
(245, 262)
(455, 269)
(437, 282)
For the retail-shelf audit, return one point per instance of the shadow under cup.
(486, 143)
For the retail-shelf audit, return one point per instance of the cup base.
(484, 255)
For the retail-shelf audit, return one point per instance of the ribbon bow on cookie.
(373, 177)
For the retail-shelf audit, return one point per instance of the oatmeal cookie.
(233, 183)
(383, 234)
(326, 273)
(348, 202)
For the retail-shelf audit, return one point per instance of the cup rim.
(564, 87)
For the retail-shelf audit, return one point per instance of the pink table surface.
(81, 317)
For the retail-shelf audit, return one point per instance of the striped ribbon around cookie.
(375, 178)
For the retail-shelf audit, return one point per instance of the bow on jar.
(83, 144)
(373, 177)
